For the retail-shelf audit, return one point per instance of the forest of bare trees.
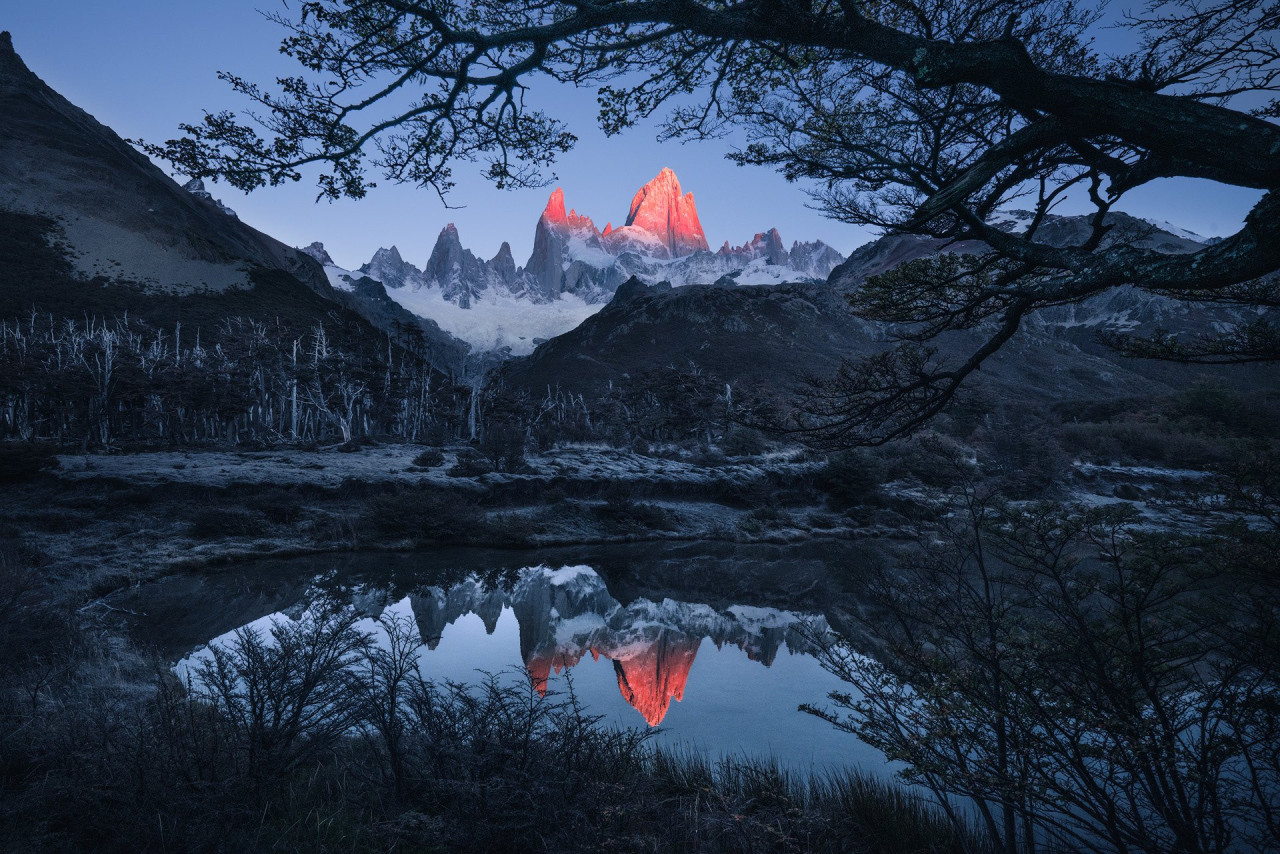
(99, 383)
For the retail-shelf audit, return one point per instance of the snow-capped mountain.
(575, 268)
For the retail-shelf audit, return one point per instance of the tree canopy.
(915, 116)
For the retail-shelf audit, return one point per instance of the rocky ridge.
(575, 267)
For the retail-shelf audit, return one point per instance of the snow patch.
(339, 279)
(497, 321)
(1175, 230)
(568, 574)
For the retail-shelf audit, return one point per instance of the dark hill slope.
(768, 337)
(90, 228)
(121, 217)
(36, 275)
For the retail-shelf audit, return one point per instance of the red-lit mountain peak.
(660, 209)
(554, 215)
(554, 211)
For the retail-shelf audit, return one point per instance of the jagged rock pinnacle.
(554, 211)
(660, 209)
(11, 65)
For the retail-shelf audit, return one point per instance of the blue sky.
(143, 66)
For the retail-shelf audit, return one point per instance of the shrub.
(708, 457)
(426, 516)
(503, 446)
(1027, 457)
(1128, 492)
(429, 459)
(278, 505)
(850, 478)
(625, 515)
(470, 464)
(743, 442)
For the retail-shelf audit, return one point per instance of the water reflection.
(563, 615)
(720, 680)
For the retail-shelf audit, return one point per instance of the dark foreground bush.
(316, 740)
(623, 515)
(427, 516)
(470, 464)
(429, 459)
(851, 478)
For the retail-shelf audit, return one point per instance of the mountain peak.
(317, 251)
(13, 71)
(554, 211)
(660, 209)
(197, 188)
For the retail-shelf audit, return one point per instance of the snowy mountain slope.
(495, 320)
(369, 297)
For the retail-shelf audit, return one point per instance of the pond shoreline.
(103, 523)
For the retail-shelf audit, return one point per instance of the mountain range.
(575, 268)
(590, 307)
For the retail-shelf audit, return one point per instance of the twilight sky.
(143, 66)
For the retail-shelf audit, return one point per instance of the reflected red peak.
(539, 667)
(543, 662)
(650, 680)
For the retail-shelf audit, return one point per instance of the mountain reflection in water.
(565, 614)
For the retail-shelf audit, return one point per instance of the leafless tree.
(1082, 684)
